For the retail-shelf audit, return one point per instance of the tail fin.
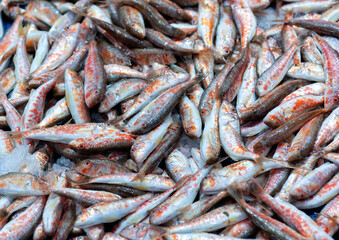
(234, 191)
(283, 163)
(257, 191)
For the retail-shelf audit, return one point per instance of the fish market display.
(169, 119)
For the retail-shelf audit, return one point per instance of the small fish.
(60, 51)
(23, 184)
(207, 20)
(190, 117)
(132, 21)
(119, 91)
(324, 195)
(285, 130)
(22, 226)
(109, 211)
(331, 63)
(167, 144)
(95, 76)
(303, 142)
(245, 21)
(313, 181)
(74, 90)
(274, 74)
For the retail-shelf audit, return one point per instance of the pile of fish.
(159, 119)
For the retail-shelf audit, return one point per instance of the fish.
(191, 119)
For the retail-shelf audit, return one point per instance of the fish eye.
(132, 149)
(81, 146)
(27, 89)
(277, 122)
(87, 163)
(233, 109)
(96, 92)
(296, 64)
(223, 95)
(121, 61)
(252, 109)
(100, 227)
(108, 124)
(43, 81)
(299, 149)
(288, 146)
(335, 100)
(132, 24)
(123, 130)
(143, 125)
(187, 131)
(202, 112)
(259, 83)
(166, 55)
(46, 157)
(179, 11)
(226, 51)
(123, 108)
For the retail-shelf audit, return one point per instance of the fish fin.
(69, 121)
(284, 163)
(77, 11)
(257, 190)
(139, 177)
(277, 7)
(260, 159)
(217, 162)
(280, 21)
(234, 190)
(199, 77)
(182, 181)
(185, 208)
(117, 120)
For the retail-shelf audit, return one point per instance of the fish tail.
(199, 77)
(234, 190)
(257, 190)
(260, 159)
